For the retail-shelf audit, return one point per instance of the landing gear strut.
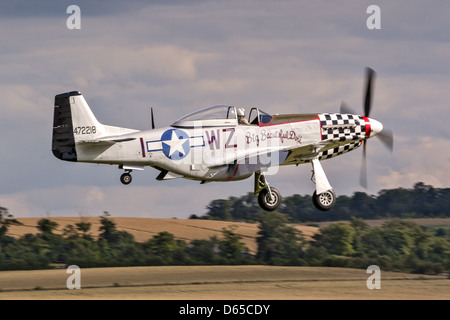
(269, 198)
(323, 197)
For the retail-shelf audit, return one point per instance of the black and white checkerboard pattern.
(346, 129)
(337, 151)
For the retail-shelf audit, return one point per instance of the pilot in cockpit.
(241, 116)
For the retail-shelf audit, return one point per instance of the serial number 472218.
(85, 130)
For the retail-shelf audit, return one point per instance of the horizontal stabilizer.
(108, 140)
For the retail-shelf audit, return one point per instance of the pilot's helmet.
(241, 112)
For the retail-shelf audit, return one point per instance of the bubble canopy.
(221, 115)
(209, 117)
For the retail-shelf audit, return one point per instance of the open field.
(220, 283)
(145, 228)
(209, 282)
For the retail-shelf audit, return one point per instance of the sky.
(181, 56)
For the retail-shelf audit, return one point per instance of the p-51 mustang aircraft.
(219, 144)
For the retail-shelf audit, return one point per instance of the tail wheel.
(126, 178)
(324, 201)
(269, 201)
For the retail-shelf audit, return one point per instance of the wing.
(322, 150)
(247, 156)
(240, 165)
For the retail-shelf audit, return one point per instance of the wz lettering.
(213, 138)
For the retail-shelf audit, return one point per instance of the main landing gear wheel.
(126, 178)
(269, 201)
(324, 201)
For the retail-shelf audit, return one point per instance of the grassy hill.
(145, 228)
(189, 229)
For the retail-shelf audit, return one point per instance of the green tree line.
(421, 201)
(112, 248)
(397, 245)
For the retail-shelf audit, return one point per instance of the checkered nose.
(376, 127)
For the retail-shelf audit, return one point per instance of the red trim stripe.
(320, 124)
(368, 127)
(142, 148)
(234, 174)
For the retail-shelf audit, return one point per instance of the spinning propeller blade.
(386, 136)
(363, 173)
(346, 109)
(370, 74)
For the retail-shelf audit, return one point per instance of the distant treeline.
(397, 245)
(422, 201)
(112, 248)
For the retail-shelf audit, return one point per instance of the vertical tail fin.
(73, 121)
(85, 124)
(81, 113)
(76, 130)
(63, 140)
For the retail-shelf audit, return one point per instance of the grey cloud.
(43, 9)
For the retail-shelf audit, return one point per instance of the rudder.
(63, 140)
(73, 121)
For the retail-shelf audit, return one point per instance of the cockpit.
(221, 115)
(259, 117)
